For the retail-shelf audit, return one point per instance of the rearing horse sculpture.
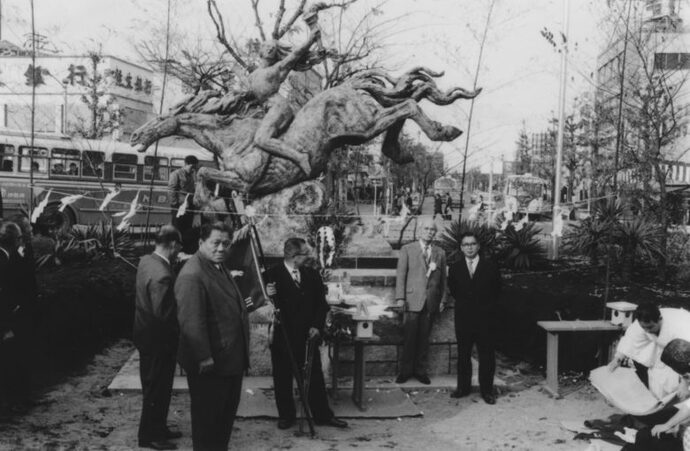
(352, 113)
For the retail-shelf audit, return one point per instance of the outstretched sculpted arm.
(298, 55)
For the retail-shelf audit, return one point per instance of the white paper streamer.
(108, 197)
(65, 201)
(38, 211)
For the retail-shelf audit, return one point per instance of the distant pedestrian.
(448, 210)
(181, 187)
(155, 336)
(438, 205)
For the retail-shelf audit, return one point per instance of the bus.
(67, 166)
(527, 194)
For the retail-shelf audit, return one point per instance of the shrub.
(486, 234)
(639, 238)
(521, 248)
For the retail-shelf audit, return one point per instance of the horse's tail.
(417, 83)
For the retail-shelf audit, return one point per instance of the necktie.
(470, 267)
(295, 276)
(427, 253)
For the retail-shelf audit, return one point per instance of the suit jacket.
(213, 319)
(8, 297)
(301, 308)
(476, 297)
(155, 316)
(411, 282)
(179, 185)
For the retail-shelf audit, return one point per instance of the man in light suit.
(155, 336)
(420, 288)
(475, 284)
(214, 338)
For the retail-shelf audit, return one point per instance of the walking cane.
(308, 363)
(297, 374)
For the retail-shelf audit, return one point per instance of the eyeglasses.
(469, 244)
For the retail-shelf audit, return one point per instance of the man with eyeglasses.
(299, 294)
(474, 282)
(420, 288)
(214, 338)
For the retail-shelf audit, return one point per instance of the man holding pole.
(299, 297)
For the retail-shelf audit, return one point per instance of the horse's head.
(152, 131)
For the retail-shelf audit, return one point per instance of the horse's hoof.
(449, 132)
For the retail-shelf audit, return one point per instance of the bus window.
(176, 163)
(207, 164)
(124, 166)
(6, 158)
(40, 159)
(65, 162)
(92, 163)
(158, 167)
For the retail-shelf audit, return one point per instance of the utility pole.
(621, 86)
(561, 125)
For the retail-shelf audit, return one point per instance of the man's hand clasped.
(206, 366)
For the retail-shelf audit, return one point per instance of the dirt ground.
(80, 413)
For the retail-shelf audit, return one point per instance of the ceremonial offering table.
(554, 328)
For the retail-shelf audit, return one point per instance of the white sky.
(519, 73)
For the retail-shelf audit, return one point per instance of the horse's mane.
(415, 84)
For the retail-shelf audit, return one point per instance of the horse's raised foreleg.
(230, 179)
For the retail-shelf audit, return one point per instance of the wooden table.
(359, 369)
(554, 328)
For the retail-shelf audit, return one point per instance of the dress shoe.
(172, 434)
(401, 379)
(335, 422)
(285, 423)
(459, 393)
(423, 378)
(158, 444)
(489, 398)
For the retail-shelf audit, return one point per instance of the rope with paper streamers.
(134, 206)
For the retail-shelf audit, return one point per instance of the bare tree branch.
(217, 19)
(279, 18)
(259, 25)
(291, 21)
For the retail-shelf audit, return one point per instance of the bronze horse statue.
(354, 112)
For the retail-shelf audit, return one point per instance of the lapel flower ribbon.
(432, 268)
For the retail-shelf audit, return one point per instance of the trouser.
(157, 372)
(468, 334)
(184, 225)
(214, 405)
(415, 353)
(644, 441)
(283, 377)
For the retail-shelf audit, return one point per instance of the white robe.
(646, 348)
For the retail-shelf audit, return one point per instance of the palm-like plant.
(521, 248)
(486, 234)
(637, 238)
(590, 237)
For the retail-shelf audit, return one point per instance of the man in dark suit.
(214, 338)
(420, 288)
(155, 336)
(299, 294)
(475, 284)
(10, 239)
